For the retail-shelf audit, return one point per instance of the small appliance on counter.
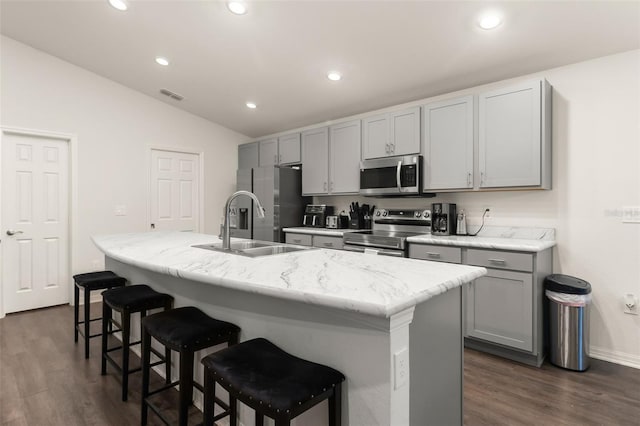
(360, 216)
(315, 215)
(461, 226)
(443, 220)
(340, 221)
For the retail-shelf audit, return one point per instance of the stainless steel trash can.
(569, 300)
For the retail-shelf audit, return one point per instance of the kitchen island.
(393, 326)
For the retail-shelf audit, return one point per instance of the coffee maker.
(315, 215)
(443, 219)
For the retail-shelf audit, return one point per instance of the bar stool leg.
(210, 392)
(167, 351)
(126, 334)
(335, 406)
(233, 411)
(146, 361)
(76, 308)
(186, 386)
(87, 322)
(282, 422)
(106, 318)
(259, 419)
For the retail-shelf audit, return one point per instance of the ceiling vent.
(171, 94)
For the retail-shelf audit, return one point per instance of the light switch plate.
(120, 210)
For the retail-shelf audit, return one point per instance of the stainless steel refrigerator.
(279, 190)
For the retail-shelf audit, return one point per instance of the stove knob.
(426, 214)
(378, 213)
(417, 214)
(384, 213)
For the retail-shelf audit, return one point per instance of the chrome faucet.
(226, 237)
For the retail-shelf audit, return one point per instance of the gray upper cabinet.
(448, 144)
(390, 134)
(268, 152)
(315, 161)
(248, 155)
(514, 136)
(289, 149)
(344, 157)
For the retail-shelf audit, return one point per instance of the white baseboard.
(621, 358)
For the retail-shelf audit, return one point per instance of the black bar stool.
(185, 330)
(271, 381)
(129, 300)
(88, 282)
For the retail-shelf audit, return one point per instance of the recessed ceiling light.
(251, 105)
(237, 7)
(489, 21)
(334, 76)
(162, 61)
(119, 4)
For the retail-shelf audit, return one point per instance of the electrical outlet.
(631, 214)
(401, 368)
(630, 304)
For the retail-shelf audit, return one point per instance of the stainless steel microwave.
(391, 176)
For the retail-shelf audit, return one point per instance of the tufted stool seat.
(89, 282)
(185, 330)
(271, 381)
(129, 300)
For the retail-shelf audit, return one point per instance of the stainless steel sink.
(271, 250)
(252, 248)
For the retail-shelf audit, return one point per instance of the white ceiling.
(278, 54)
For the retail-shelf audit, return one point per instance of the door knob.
(12, 232)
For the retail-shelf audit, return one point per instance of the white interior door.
(35, 222)
(175, 189)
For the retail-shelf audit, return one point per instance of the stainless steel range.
(389, 232)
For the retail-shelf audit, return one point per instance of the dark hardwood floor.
(45, 380)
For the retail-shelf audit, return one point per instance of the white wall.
(114, 126)
(596, 171)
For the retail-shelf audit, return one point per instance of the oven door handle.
(377, 246)
(398, 169)
(377, 250)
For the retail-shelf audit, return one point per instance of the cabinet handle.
(280, 158)
(328, 244)
(325, 186)
(392, 147)
(469, 179)
(386, 148)
(432, 254)
(481, 178)
(331, 186)
(501, 261)
(297, 241)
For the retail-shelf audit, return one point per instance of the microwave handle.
(398, 168)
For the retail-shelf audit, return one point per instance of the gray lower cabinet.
(299, 239)
(320, 241)
(499, 309)
(504, 309)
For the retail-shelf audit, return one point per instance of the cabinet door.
(344, 158)
(500, 309)
(509, 139)
(404, 127)
(289, 149)
(315, 161)
(248, 156)
(448, 144)
(375, 137)
(268, 152)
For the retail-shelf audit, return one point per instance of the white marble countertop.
(499, 238)
(370, 284)
(319, 231)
